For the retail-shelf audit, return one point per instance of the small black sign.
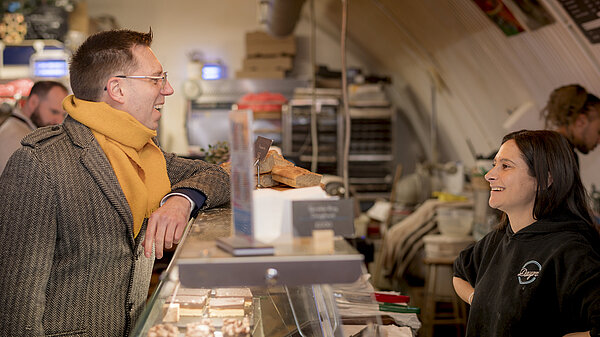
(261, 147)
(309, 215)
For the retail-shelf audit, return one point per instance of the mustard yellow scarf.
(138, 163)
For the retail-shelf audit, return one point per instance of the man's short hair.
(41, 88)
(566, 103)
(101, 56)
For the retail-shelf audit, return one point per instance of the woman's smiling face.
(512, 187)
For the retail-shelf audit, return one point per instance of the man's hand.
(166, 225)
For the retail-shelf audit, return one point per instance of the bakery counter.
(207, 292)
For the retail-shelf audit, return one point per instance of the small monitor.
(213, 71)
(49, 64)
(50, 68)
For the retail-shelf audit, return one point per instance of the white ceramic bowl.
(454, 221)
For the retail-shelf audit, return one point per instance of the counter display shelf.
(271, 311)
(207, 292)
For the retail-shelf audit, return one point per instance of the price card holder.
(261, 148)
(242, 177)
(310, 215)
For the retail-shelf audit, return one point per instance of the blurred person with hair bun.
(574, 113)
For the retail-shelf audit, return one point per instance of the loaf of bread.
(266, 180)
(275, 170)
(272, 159)
(295, 176)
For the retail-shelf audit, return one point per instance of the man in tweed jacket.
(73, 259)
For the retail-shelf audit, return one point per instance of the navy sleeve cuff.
(198, 197)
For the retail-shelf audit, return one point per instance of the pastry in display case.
(201, 312)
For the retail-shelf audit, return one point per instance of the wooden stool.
(431, 317)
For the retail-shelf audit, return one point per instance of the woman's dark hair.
(552, 163)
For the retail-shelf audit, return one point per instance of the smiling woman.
(512, 186)
(537, 273)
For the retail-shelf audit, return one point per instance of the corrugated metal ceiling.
(488, 74)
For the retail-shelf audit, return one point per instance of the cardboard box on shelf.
(260, 74)
(268, 63)
(261, 36)
(261, 43)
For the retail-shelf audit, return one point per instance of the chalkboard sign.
(48, 23)
(585, 14)
(309, 215)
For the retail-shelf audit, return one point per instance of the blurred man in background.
(43, 107)
(574, 113)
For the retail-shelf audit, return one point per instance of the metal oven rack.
(372, 158)
(297, 142)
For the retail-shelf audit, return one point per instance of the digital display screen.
(50, 68)
(212, 72)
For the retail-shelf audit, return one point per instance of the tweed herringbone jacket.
(69, 263)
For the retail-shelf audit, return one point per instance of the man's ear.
(115, 91)
(582, 120)
(33, 101)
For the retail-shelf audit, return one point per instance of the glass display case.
(207, 292)
(269, 311)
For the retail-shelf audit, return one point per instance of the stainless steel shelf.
(201, 262)
(384, 180)
(370, 157)
(323, 159)
(296, 263)
(372, 196)
(369, 112)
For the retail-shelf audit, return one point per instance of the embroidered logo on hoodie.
(529, 272)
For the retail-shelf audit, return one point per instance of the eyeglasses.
(155, 79)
